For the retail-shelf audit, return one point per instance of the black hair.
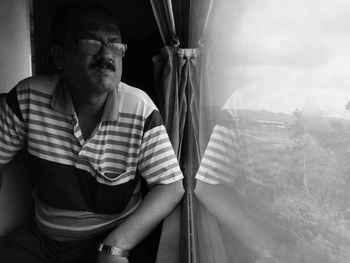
(70, 13)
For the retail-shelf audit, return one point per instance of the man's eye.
(93, 41)
(90, 41)
(116, 45)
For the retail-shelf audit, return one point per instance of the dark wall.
(139, 31)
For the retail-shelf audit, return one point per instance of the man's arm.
(157, 165)
(157, 204)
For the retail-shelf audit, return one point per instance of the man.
(89, 138)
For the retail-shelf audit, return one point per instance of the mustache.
(103, 64)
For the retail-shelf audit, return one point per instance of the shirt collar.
(62, 102)
(111, 108)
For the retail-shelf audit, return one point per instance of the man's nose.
(105, 52)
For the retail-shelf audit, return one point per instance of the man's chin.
(105, 84)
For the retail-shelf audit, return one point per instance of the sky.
(282, 54)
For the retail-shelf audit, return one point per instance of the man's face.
(92, 73)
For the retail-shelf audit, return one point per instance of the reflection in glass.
(274, 177)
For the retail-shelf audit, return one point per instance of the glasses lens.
(89, 46)
(117, 48)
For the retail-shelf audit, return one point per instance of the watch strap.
(114, 251)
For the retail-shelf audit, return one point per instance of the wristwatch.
(114, 251)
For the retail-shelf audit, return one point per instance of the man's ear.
(57, 55)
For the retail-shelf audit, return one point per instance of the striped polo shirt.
(84, 187)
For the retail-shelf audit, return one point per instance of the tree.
(347, 106)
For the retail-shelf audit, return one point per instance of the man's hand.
(105, 258)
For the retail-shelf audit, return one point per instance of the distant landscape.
(297, 183)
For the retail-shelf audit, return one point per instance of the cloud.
(291, 52)
(285, 54)
(287, 33)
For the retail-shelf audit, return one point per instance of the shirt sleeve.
(157, 163)
(221, 162)
(12, 127)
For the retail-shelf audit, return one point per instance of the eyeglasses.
(93, 46)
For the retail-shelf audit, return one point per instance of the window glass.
(273, 183)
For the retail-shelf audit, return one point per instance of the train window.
(273, 180)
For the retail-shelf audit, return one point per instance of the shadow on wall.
(15, 196)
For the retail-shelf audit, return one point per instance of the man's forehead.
(94, 27)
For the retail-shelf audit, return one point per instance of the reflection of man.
(222, 161)
(89, 137)
(224, 187)
(241, 139)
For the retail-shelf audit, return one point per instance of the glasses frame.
(102, 43)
